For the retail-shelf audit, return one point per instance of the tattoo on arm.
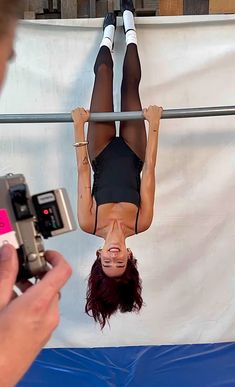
(86, 187)
(85, 160)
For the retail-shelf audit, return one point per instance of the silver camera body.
(25, 220)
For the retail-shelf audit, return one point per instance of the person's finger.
(20, 287)
(54, 279)
(8, 273)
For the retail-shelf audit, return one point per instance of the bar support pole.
(117, 116)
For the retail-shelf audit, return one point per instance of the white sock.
(131, 37)
(128, 20)
(129, 26)
(108, 37)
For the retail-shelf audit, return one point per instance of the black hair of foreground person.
(106, 295)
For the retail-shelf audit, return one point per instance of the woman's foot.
(127, 5)
(109, 27)
(110, 19)
(128, 10)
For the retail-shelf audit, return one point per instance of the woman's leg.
(133, 132)
(101, 133)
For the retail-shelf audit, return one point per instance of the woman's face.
(114, 258)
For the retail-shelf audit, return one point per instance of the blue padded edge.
(197, 365)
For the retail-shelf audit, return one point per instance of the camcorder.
(25, 220)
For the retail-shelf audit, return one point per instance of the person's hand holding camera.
(27, 321)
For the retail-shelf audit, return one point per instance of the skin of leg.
(101, 133)
(133, 132)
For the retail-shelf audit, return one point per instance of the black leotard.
(117, 176)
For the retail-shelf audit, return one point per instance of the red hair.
(106, 295)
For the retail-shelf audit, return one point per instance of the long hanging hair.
(106, 295)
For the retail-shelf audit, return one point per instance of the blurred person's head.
(9, 14)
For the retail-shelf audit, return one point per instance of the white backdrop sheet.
(187, 257)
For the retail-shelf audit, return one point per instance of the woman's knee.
(104, 67)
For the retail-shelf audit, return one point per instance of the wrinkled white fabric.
(186, 258)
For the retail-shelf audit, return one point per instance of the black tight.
(133, 132)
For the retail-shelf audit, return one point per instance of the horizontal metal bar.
(117, 116)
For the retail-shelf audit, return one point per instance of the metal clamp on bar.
(117, 116)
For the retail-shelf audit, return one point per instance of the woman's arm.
(147, 188)
(84, 200)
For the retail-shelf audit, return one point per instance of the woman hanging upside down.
(120, 203)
